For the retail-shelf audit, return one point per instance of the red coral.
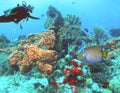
(54, 83)
(71, 75)
(73, 72)
(75, 90)
(70, 80)
(105, 85)
(76, 71)
(66, 71)
(73, 54)
(74, 63)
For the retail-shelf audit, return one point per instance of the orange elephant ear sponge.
(34, 53)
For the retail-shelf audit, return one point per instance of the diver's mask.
(30, 8)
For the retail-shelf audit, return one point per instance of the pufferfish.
(93, 54)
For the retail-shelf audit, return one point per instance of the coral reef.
(5, 67)
(71, 20)
(20, 83)
(115, 32)
(3, 38)
(67, 29)
(44, 41)
(73, 76)
(21, 37)
(34, 51)
(115, 48)
(3, 41)
(114, 58)
(115, 84)
(99, 35)
(71, 31)
(100, 73)
(70, 34)
(54, 20)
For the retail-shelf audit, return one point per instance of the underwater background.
(73, 48)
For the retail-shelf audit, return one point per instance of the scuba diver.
(18, 13)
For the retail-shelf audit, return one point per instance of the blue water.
(105, 13)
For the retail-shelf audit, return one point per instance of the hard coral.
(33, 54)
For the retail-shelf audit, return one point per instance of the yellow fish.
(80, 56)
(94, 54)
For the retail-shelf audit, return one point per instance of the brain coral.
(32, 54)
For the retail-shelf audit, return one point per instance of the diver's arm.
(32, 17)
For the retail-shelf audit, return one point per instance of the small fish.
(27, 18)
(86, 29)
(94, 54)
(21, 26)
(42, 15)
(73, 2)
(107, 46)
(80, 56)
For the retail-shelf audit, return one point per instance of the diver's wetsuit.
(19, 13)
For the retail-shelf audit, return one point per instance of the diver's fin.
(8, 18)
(27, 19)
(34, 17)
(4, 18)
